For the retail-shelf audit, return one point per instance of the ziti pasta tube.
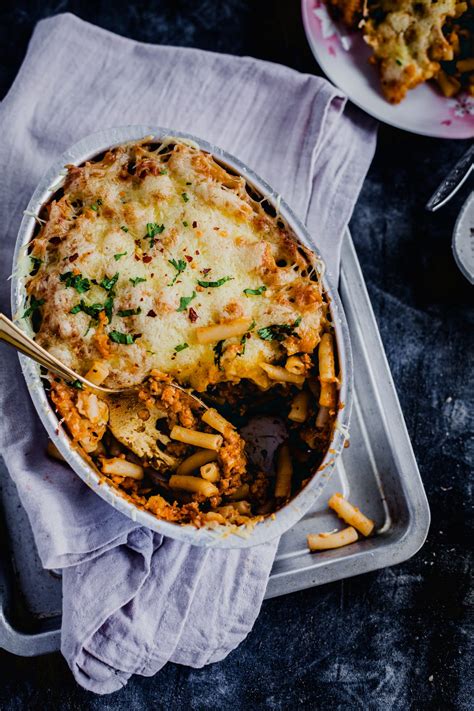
(284, 473)
(196, 461)
(194, 484)
(221, 331)
(327, 371)
(326, 541)
(122, 467)
(196, 438)
(351, 514)
(215, 420)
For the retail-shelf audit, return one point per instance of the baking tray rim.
(400, 544)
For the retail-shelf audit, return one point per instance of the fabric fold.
(133, 600)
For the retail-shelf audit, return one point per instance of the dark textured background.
(397, 638)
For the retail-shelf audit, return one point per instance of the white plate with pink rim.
(343, 56)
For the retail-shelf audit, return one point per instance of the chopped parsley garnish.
(185, 301)
(399, 62)
(181, 347)
(119, 255)
(219, 282)
(179, 265)
(96, 205)
(76, 281)
(185, 224)
(278, 332)
(36, 262)
(245, 337)
(218, 353)
(125, 339)
(136, 280)
(34, 305)
(108, 283)
(163, 172)
(124, 228)
(185, 197)
(77, 384)
(255, 292)
(92, 323)
(153, 229)
(92, 310)
(108, 306)
(129, 312)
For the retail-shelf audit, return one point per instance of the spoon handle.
(10, 333)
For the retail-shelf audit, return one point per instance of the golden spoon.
(11, 334)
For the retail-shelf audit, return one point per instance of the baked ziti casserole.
(153, 265)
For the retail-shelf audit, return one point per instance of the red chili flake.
(55, 240)
(206, 271)
(197, 251)
(193, 317)
(73, 257)
(137, 258)
(137, 242)
(195, 224)
(216, 228)
(188, 258)
(151, 313)
(147, 258)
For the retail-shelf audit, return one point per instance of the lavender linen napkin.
(132, 600)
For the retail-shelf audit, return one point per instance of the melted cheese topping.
(123, 251)
(409, 42)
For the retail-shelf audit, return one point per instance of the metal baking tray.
(378, 472)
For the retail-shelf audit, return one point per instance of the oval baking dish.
(222, 536)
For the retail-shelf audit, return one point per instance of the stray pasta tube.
(98, 372)
(221, 331)
(299, 407)
(326, 541)
(196, 460)
(215, 420)
(196, 438)
(122, 467)
(284, 473)
(276, 372)
(210, 472)
(194, 484)
(351, 514)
